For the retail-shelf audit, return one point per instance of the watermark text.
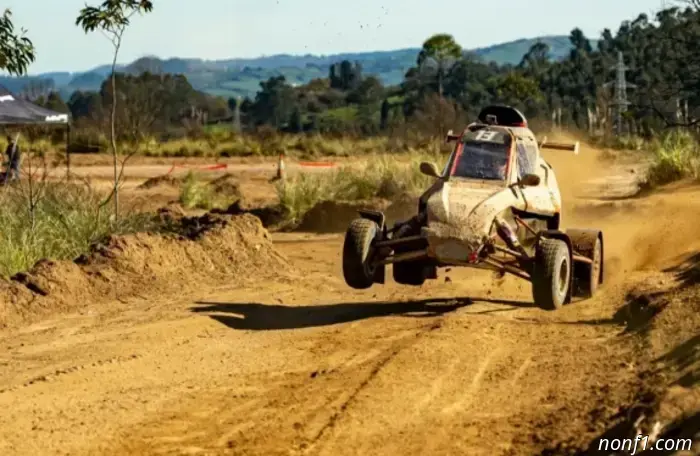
(642, 443)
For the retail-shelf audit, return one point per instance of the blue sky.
(217, 29)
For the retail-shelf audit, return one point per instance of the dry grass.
(55, 221)
(197, 193)
(227, 144)
(676, 156)
(382, 176)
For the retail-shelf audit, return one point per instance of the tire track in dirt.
(304, 365)
(316, 441)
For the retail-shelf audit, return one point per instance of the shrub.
(55, 221)
(383, 176)
(195, 193)
(199, 194)
(675, 156)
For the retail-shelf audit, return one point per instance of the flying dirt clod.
(496, 205)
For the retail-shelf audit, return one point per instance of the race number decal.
(485, 135)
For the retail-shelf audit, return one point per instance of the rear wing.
(559, 146)
(451, 137)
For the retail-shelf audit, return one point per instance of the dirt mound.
(335, 216)
(226, 185)
(271, 216)
(165, 180)
(201, 250)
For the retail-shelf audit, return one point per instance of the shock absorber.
(508, 235)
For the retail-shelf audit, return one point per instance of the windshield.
(483, 154)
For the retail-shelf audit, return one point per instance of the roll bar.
(560, 146)
(451, 137)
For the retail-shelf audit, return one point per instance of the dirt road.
(304, 365)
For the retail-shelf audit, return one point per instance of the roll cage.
(449, 171)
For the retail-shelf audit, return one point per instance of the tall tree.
(274, 102)
(441, 51)
(16, 50)
(113, 18)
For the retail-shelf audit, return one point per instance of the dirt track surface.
(301, 364)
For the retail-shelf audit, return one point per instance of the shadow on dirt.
(688, 271)
(634, 316)
(262, 317)
(684, 360)
(619, 439)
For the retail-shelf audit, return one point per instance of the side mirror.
(429, 169)
(529, 180)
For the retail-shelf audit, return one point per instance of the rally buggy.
(496, 205)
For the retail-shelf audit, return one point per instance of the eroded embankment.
(660, 396)
(653, 253)
(206, 250)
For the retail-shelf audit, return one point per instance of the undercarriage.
(559, 264)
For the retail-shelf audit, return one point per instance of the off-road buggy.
(495, 205)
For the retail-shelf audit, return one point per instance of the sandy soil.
(301, 364)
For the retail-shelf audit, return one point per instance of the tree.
(370, 90)
(295, 121)
(384, 115)
(441, 51)
(517, 90)
(16, 50)
(345, 76)
(37, 88)
(54, 102)
(152, 102)
(274, 102)
(112, 17)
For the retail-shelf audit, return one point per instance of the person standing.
(13, 159)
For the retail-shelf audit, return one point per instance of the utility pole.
(620, 85)
(237, 115)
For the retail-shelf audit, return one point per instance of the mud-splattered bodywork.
(462, 206)
(495, 206)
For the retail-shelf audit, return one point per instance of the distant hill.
(242, 77)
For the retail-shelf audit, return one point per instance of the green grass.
(676, 156)
(64, 222)
(624, 143)
(196, 193)
(382, 177)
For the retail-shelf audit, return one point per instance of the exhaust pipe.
(508, 236)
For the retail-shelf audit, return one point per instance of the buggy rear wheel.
(552, 274)
(587, 276)
(358, 253)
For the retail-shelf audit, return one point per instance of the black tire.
(552, 274)
(357, 253)
(587, 276)
(408, 272)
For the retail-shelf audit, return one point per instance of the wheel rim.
(563, 276)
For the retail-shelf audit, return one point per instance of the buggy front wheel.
(358, 253)
(552, 274)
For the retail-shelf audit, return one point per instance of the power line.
(620, 86)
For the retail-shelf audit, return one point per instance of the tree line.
(445, 88)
